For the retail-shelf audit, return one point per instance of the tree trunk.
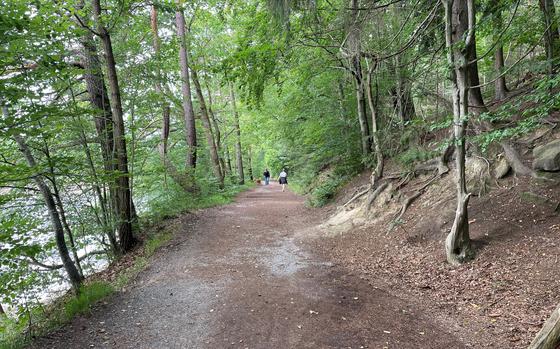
(250, 158)
(549, 336)
(500, 88)
(181, 180)
(378, 172)
(551, 35)
(228, 159)
(475, 99)
(216, 132)
(123, 200)
(73, 273)
(188, 111)
(457, 13)
(238, 153)
(403, 95)
(212, 148)
(97, 92)
(355, 47)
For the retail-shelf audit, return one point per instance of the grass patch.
(89, 295)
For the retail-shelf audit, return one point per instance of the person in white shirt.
(283, 179)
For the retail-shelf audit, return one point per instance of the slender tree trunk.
(212, 148)
(457, 13)
(216, 131)
(73, 273)
(378, 172)
(228, 159)
(362, 115)
(403, 94)
(250, 155)
(186, 88)
(60, 207)
(475, 99)
(355, 47)
(2, 311)
(500, 88)
(105, 220)
(551, 35)
(165, 111)
(123, 201)
(238, 153)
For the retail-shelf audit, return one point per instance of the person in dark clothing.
(266, 175)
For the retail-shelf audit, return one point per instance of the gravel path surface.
(244, 275)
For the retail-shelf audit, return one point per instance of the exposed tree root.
(371, 198)
(409, 200)
(357, 196)
(514, 159)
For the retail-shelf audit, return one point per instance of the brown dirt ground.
(499, 300)
(249, 275)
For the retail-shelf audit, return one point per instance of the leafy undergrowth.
(321, 188)
(40, 320)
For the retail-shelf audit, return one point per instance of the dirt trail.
(244, 276)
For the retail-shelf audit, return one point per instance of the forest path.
(244, 276)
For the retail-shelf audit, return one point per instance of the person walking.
(266, 175)
(283, 179)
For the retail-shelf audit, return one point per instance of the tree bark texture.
(212, 147)
(549, 335)
(355, 47)
(123, 199)
(551, 35)
(460, 27)
(238, 149)
(457, 13)
(500, 87)
(188, 112)
(99, 100)
(216, 132)
(378, 172)
(175, 174)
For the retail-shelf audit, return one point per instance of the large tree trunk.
(457, 13)
(69, 266)
(212, 148)
(238, 149)
(186, 88)
(551, 36)
(97, 92)
(123, 200)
